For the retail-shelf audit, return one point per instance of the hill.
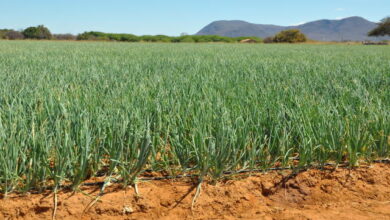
(347, 29)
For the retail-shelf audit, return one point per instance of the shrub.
(268, 40)
(382, 29)
(93, 35)
(211, 38)
(187, 39)
(3, 33)
(39, 32)
(290, 36)
(10, 34)
(64, 36)
(148, 38)
(129, 38)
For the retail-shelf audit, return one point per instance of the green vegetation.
(382, 29)
(287, 36)
(69, 110)
(3, 33)
(40, 32)
(10, 34)
(93, 35)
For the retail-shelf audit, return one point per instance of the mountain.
(239, 29)
(352, 28)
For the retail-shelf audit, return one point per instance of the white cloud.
(340, 18)
(299, 23)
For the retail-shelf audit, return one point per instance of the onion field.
(70, 111)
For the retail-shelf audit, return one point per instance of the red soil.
(362, 193)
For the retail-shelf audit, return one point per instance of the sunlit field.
(73, 110)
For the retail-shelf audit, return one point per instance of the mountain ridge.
(353, 28)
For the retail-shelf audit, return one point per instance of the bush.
(163, 38)
(129, 38)
(93, 35)
(210, 38)
(39, 32)
(382, 29)
(3, 33)
(64, 36)
(290, 36)
(268, 40)
(151, 38)
(10, 34)
(186, 39)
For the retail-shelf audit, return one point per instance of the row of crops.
(71, 110)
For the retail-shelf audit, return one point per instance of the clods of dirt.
(361, 193)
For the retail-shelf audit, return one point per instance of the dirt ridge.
(360, 193)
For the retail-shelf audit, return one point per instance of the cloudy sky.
(172, 17)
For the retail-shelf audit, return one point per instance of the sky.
(173, 17)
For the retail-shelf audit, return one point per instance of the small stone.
(267, 188)
(127, 210)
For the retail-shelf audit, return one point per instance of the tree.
(39, 32)
(290, 36)
(382, 29)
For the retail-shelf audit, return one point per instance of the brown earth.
(361, 193)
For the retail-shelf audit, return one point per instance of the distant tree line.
(43, 33)
(93, 35)
(10, 34)
(39, 32)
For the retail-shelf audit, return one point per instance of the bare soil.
(361, 193)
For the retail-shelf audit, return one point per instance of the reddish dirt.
(361, 193)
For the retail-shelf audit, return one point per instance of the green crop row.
(70, 110)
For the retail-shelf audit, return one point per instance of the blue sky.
(173, 17)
